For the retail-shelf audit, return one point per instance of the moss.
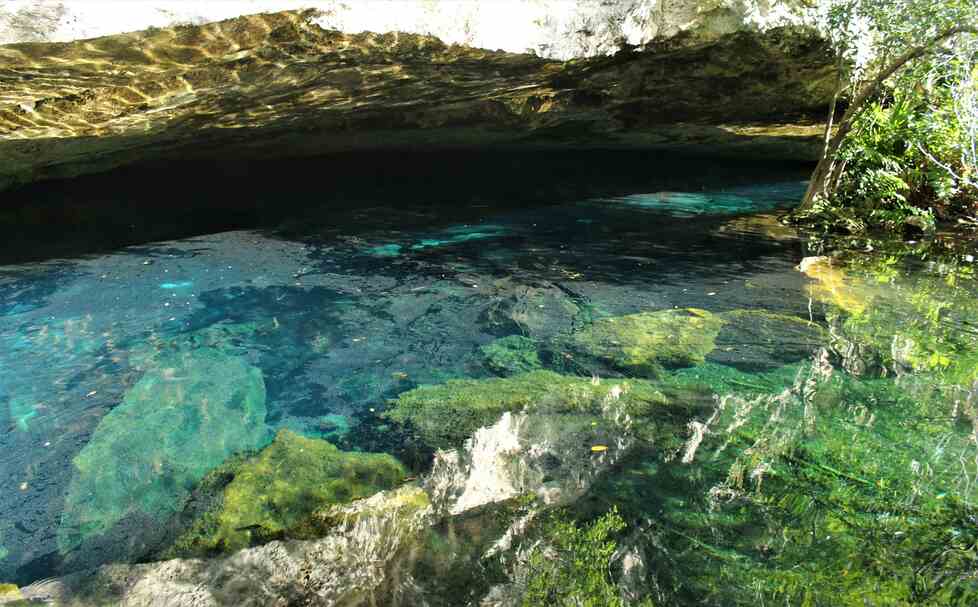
(274, 493)
(448, 413)
(510, 355)
(179, 421)
(645, 343)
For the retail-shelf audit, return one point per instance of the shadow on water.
(176, 200)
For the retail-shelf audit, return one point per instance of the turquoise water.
(314, 326)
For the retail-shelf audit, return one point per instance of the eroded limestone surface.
(279, 84)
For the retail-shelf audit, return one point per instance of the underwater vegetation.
(511, 355)
(446, 414)
(840, 491)
(274, 493)
(890, 316)
(180, 420)
(572, 566)
(645, 343)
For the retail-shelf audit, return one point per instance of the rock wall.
(281, 85)
(558, 29)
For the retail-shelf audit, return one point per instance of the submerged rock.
(758, 340)
(510, 355)
(274, 493)
(360, 562)
(645, 343)
(548, 455)
(832, 285)
(446, 414)
(181, 419)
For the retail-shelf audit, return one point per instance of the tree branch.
(870, 89)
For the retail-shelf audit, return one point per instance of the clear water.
(342, 309)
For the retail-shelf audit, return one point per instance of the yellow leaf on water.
(598, 448)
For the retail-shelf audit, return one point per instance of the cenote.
(479, 377)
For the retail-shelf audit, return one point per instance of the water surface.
(318, 320)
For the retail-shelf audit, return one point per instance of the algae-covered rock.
(184, 417)
(273, 493)
(758, 340)
(644, 343)
(448, 413)
(9, 593)
(510, 355)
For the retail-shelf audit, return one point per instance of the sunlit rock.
(562, 29)
(362, 560)
(184, 417)
(647, 342)
(273, 494)
(544, 454)
(833, 286)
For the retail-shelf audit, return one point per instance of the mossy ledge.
(275, 493)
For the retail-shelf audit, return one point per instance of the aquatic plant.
(510, 355)
(838, 491)
(645, 343)
(446, 414)
(571, 566)
(272, 494)
(181, 419)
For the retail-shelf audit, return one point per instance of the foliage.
(896, 166)
(273, 493)
(906, 141)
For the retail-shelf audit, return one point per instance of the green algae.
(723, 379)
(9, 592)
(511, 355)
(573, 567)
(446, 414)
(645, 343)
(180, 420)
(274, 493)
